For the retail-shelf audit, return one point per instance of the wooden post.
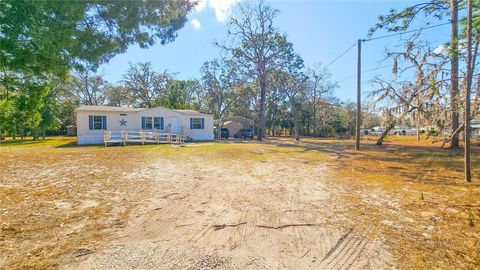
(359, 87)
(468, 174)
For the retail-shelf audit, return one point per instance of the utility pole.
(468, 174)
(359, 93)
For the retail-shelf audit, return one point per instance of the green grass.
(49, 141)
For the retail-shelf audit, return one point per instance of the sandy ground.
(240, 214)
(316, 204)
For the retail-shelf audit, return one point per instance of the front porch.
(143, 137)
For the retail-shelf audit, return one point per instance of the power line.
(382, 37)
(365, 71)
(406, 32)
(342, 54)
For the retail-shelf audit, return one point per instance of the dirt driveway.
(261, 209)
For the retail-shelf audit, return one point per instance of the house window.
(152, 122)
(97, 122)
(158, 122)
(197, 123)
(148, 123)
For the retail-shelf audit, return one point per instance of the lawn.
(272, 205)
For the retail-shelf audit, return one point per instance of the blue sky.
(320, 31)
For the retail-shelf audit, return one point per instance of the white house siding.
(475, 125)
(133, 118)
(205, 134)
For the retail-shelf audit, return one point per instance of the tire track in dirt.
(344, 254)
(177, 219)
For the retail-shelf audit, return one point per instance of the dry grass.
(416, 195)
(58, 201)
(55, 199)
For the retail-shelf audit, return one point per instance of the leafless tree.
(258, 48)
(89, 88)
(318, 86)
(401, 97)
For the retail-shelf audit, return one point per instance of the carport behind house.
(235, 123)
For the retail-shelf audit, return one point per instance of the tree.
(258, 48)
(89, 88)
(118, 95)
(219, 79)
(318, 87)
(178, 94)
(28, 103)
(295, 91)
(402, 97)
(468, 174)
(49, 112)
(54, 36)
(145, 85)
(455, 142)
(6, 116)
(275, 97)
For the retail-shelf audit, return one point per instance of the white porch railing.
(143, 137)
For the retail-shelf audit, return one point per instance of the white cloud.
(222, 8)
(196, 24)
(441, 50)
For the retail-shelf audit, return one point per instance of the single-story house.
(92, 121)
(235, 123)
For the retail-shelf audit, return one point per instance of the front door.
(174, 125)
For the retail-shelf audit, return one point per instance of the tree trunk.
(468, 174)
(454, 121)
(418, 127)
(272, 126)
(261, 111)
(297, 131)
(295, 123)
(385, 133)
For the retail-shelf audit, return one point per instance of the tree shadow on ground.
(427, 164)
(20, 142)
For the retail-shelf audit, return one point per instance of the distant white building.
(93, 121)
(475, 126)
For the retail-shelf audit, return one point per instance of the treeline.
(222, 91)
(257, 75)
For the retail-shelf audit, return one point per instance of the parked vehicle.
(376, 132)
(244, 133)
(224, 133)
(404, 131)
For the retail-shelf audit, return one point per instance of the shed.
(235, 123)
